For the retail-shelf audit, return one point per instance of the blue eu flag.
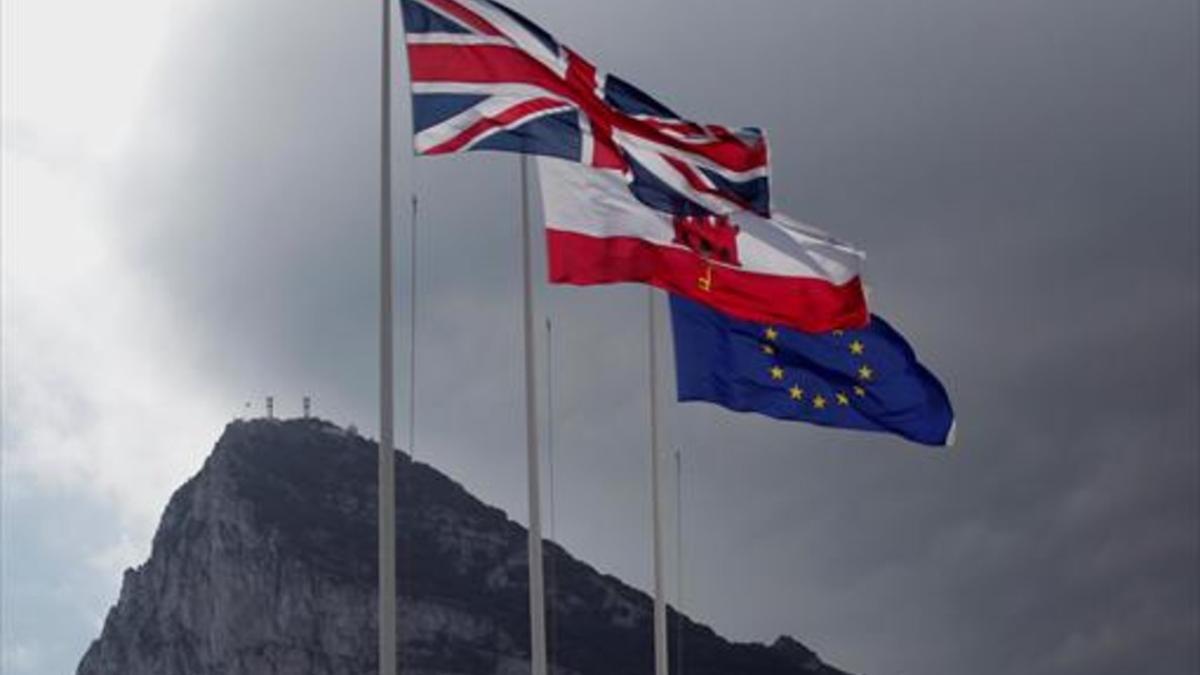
(857, 379)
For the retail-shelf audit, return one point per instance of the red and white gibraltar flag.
(772, 271)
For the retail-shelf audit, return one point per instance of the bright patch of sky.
(94, 434)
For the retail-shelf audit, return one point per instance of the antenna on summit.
(270, 407)
(307, 407)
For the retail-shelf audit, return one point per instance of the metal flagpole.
(678, 561)
(387, 459)
(552, 573)
(661, 658)
(412, 334)
(537, 601)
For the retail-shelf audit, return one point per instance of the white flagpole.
(537, 600)
(661, 658)
(387, 459)
(678, 561)
(412, 333)
(552, 582)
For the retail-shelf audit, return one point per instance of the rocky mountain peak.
(264, 563)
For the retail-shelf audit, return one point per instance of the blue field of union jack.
(486, 78)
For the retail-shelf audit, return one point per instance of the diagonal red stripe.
(501, 64)
(505, 118)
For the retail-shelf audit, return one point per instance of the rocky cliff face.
(265, 564)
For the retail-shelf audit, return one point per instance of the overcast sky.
(189, 195)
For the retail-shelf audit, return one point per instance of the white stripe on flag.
(599, 204)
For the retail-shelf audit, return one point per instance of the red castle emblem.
(711, 237)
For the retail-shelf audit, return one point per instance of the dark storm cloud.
(1023, 176)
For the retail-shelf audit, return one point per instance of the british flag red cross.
(486, 78)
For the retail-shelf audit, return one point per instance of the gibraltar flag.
(772, 271)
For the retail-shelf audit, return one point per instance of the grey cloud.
(1023, 176)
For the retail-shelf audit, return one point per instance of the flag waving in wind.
(487, 78)
(866, 379)
(767, 270)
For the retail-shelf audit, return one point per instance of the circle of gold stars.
(820, 400)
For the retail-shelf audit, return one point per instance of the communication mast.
(307, 407)
(270, 407)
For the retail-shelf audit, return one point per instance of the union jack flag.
(486, 78)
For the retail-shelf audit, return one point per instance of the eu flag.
(857, 379)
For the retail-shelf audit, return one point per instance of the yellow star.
(796, 392)
(776, 373)
(860, 392)
(772, 334)
(843, 399)
(865, 373)
(768, 349)
(819, 402)
(857, 348)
